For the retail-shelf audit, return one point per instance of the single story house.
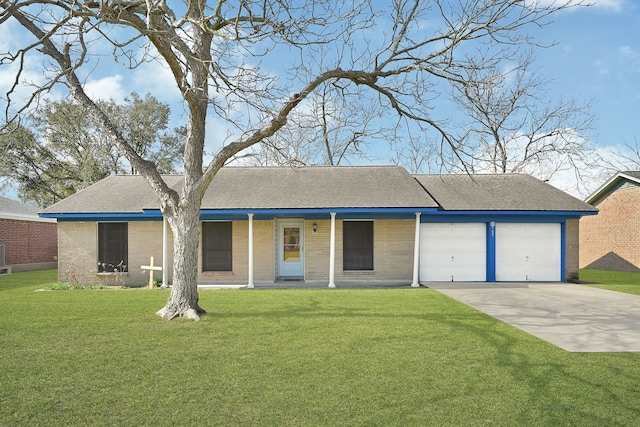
(331, 224)
(27, 242)
(611, 241)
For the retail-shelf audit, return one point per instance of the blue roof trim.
(315, 213)
(428, 215)
(241, 214)
(504, 216)
(102, 217)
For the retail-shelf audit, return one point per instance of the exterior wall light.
(315, 227)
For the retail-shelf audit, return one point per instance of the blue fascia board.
(503, 216)
(242, 214)
(101, 217)
(315, 213)
(427, 215)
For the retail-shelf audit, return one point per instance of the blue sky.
(596, 57)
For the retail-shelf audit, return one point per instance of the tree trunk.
(183, 301)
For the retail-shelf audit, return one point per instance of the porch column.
(332, 252)
(165, 255)
(416, 254)
(250, 284)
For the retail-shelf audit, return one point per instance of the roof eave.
(596, 195)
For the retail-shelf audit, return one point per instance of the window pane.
(113, 247)
(216, 246)
(357, 245)
(291, 244)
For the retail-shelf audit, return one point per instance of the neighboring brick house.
(330, 224)
(611, 240)
(27, 241)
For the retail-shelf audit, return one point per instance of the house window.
(216, 246)
(113, 247)
(357, 245)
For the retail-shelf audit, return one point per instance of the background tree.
(513, 124)
(251, 63)
(624, 158)
(323, 131)
(65, 150)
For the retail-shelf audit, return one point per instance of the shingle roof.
(11, 207)
(505, 192)
(117, 193)
(634, 174)
(263, 188)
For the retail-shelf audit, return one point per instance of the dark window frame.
(357, 245)
(113, 247)
(217, 246)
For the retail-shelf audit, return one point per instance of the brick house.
(330, 224)
(27, 242)
(611, 240)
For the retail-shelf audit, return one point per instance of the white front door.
(291, 248)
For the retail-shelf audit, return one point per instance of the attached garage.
(528, 252)
(498, 228)
(453, 252)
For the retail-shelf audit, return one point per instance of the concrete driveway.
(572, 317)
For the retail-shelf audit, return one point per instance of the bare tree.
(252, 63)
(515, 125)
(323, 131)
(624, 158)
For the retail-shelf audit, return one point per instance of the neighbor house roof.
(504, 192)
(12, 207)
(614, 183)
(13, 210)
(263, 188)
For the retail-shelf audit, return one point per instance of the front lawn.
(613, 280)
(291, 357)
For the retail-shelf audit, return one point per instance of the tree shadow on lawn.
(546, 384)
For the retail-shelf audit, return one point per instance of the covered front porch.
(309, 248)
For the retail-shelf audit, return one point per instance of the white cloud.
(628, 52)
(106, 88)
(613, 5)
(157, 80)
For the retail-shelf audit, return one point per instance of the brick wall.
(393, 252)
(572, 252)
(145, 241)
(78, 252)
(393, 243)
(29, 242)
(263, 255)
(611, 239)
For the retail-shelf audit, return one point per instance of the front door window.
(291, 244)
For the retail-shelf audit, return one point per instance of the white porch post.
(165, 255)
(250, 284)
(332, 252)
(416, 254)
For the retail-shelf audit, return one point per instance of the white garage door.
(453, 252)
(526, 252)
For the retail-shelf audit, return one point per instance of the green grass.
(612, 280)
(316, 357)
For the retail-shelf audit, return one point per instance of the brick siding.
(28, 242)
(611, 239)
(572, 252)
(393, 252)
